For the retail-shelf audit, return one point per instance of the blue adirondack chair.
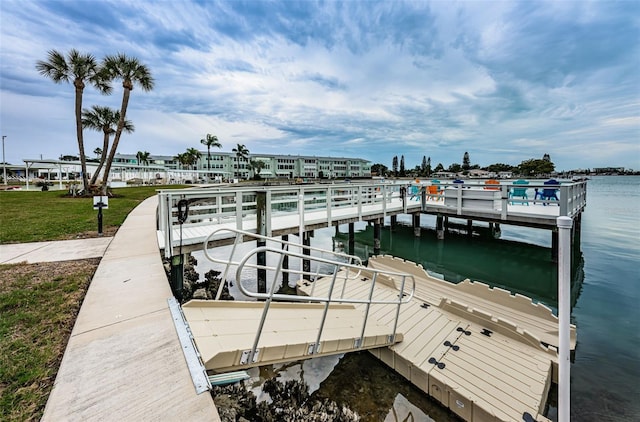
(519, 192)
(550, 193)
(415, 192)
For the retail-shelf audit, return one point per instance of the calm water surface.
(605, 374)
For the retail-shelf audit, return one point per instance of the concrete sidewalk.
(124, 361)
(54, 251)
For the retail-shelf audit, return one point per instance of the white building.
(163, 169)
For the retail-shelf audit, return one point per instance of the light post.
(4, 163)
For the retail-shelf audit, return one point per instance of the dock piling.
(440, 227)
(416, 224)
(352, 242)
(376, 237)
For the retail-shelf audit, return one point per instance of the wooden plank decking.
(224, 330)
(501, 376)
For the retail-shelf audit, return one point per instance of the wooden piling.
(352, 242)
(376, 237)
(440, 226)
(416, 224)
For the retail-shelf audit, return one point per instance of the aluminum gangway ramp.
(278, 327)
(224, 332)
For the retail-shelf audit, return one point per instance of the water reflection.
(523, 268)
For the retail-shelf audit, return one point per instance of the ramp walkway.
(280, 327)
(287, 335)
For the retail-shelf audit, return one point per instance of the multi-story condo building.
(222, 167)
(227, 165)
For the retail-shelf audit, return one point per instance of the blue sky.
(505, 81)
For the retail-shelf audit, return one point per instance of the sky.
(505, 81)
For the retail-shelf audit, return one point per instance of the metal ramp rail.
(277, 327)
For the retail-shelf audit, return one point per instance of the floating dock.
(476, 350)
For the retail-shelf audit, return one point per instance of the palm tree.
(143, 157)
(131, 72)
(257, 166)
(210, 141)
(97, 151)
(194, 155)
(103, 119)
(183, 159)
(241, 152)
(77, 68)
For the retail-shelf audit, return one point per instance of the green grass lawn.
(38, 304)
(33, 216)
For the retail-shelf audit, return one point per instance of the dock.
(484, 353)
(302, 208)
(481, 366)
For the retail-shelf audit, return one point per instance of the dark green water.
(605, 373)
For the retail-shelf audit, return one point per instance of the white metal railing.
(241, 235)
(342, 268)
(236, 206)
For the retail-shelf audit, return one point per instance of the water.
(605, 373)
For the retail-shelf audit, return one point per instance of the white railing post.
(329, 204)
(301, 224)
(360, 199)
(383, 192)
(564, 313)
(504, 193)
(268, 213)
(239, 210)
(168, 224)
(564, 201)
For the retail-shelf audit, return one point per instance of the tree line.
(526, 168)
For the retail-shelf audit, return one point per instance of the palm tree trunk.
(83, 160)
(116, 139)
(103, 156)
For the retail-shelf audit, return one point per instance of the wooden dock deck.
(481, 372)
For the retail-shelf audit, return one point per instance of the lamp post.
(4, 163)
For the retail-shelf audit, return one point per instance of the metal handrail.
(403, 297)
(239, 234)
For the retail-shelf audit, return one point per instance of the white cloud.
(368, 79)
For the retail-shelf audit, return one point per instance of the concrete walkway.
(124, 361)
(54, 251)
